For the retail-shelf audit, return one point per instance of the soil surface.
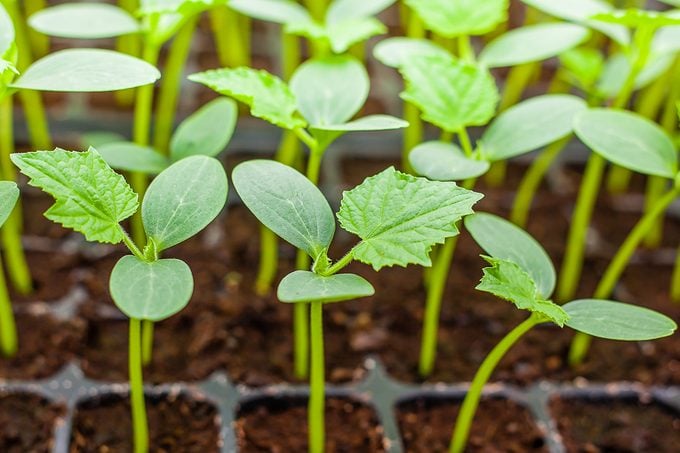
(27, 423)
(500, 425)
(280, 425)
(176, 423)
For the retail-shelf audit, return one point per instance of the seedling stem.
(8, 331)
(140, 429)
(315, 415)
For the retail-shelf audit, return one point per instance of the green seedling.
(317, 106)
(92, 199)
(522, 273)
(398, 218)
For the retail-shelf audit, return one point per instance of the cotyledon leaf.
(9, 194)
(306, 286)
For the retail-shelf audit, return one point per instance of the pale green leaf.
(87, 70)
(451, 18)
(84, 21)
(395, 52)
(278, 11)
(629, 140)
(128, 156)
(618, 67)
(400, 217)
(530, 125)
(181, 7)
(636, 18)
(97, 138)
(532, 43)
(205, 132)
(345, 10)
(451, 94)
(267, 96)
(507, 280)
(150, 291)
(305, 286)
(183, 200)
(583, 66)
(287, 203)
(343, 35)
(9, 194)
(444, 161)
(666, 40)
(367, 123)
(617, 321)
(504, 240)
(6, 32)
(89, 196)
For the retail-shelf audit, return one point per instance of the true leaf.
(305, 286)
(617, 321)
(400, 217)
(207, 131)
(279, 11)
(629, 140)
(9, 194)
(87, 70)
(129, 156)
(150, 290)
(507, 280)
(451, 18)
(89, 196)
(267, 96)
(287, 203)
(183, 200)
(452, 94)
(532, 43)
(84, 21)
(443, 161)
(395, 52)
(344, 10)
(530, 125)
(506, 241)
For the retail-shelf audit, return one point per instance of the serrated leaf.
(400, 217)
(287, 203)
(9, 194)
(344, 10)
(267, 96)
(510, 282)
(89, 196)
(128, 156)
(84, 21)
(451, 18)
(305, 287)
(451, 94)
(278, 11)
(395, 52)
(443, 161)
(205, 132)
(183, 200)
(617, 321)
(150, 291)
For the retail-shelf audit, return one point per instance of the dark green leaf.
(305, 286)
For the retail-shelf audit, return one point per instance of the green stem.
(341, 263)
(316, 410)
(139, 423)
(40, 44)
(130, 45)
(269, 256)
(8, 330)
(147, 341)
(618, 179)
(465, 50)
(233, 47)
(301, 339)
(467, 410)
(675, 279)
(317, 9)
(413, 134)
(656, 187)
(170, 86)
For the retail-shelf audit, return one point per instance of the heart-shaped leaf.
(451, 18)
(279, 11)
(395, 52)
(305, 287)
(128, 156)
(205, 132)
(443, 161)
(150, 291)
(9, 194)
(84, 21)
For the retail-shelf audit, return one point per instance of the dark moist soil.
(500, 425)
(176, 424)
(28, 423)
(621, 426)
(280, 425)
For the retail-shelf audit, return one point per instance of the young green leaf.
(629, 140)
(506, 241)
(583, 66)
(343, 35)
(306, 286)
(395, 52)
(532, 43)
(150, 290)
(330, 90)
(667, 39)
(279, 11)
(530, 125)
(89, 196)
(344, 10)
(84, 21)
(287, 203)
(617, 321)
(206, 132)
(87, 70)
(443, 161)
(452, 94)
(128, 156)
(507, 280)
(6, 31)
(9, 194)
(183, 200)
(400, 217)
(267, 96)
(451, 18)
(366, 123)
(618, 67)
(634, 18)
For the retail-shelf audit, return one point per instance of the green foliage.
(89, 197)
(617, 321)
(635, 18)
(9, 194)
(87, 70)
(205, 132)
(451, 18)
(583, 67)
(400, 217)
(279, 11)
(306, 286)
(509, 281)
(618, 67)
(84, 21)
(150, 290)
(443, 161)
(129, 156)
(451, 94)
(341, 35)
(7, 48)
(345, 10)
(397, 51)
